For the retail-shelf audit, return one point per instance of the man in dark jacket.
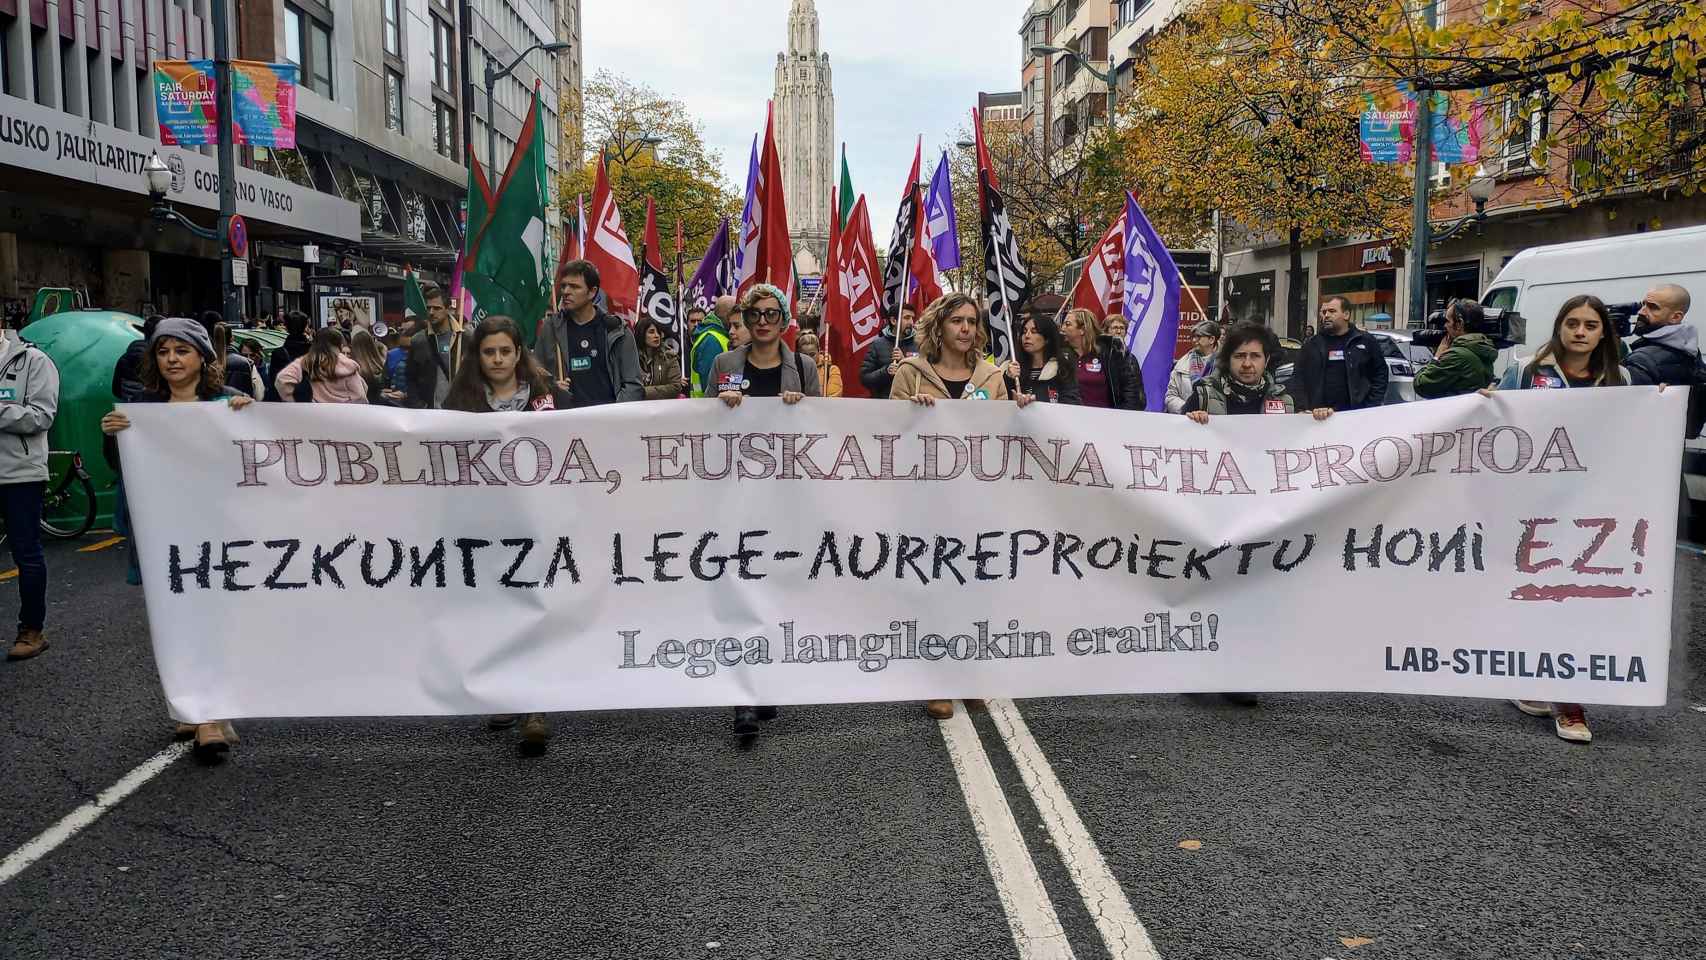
(296, 344)
(239, 372)
(1668, 348)
(586, 351)
(882, 360)
(1341, 368)
(127, 373)
(434, 354)
(1463, 362)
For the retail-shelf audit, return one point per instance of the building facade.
(1036, 80)
(376, 181)
(805, 134)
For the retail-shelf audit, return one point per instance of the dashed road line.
(1037, 933)
(1122, 933)
(9, 575)
(101, 545)
(79, 819)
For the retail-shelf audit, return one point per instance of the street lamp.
(640, 143)
(1110, 78)
(492, 78)
(1480, 191)
(159, 179)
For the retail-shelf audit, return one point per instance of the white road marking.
(1037, 932)
(79, 819)
(1122, 932)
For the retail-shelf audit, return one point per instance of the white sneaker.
(1534, 708)
(1571, 723)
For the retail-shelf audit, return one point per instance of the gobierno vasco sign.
(42, 139)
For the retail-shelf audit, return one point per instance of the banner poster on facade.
(263, 96)
(303, 560)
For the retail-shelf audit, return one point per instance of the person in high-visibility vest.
(710, 340)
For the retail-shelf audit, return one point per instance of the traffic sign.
(238, 236)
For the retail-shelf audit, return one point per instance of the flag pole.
(1186, 285)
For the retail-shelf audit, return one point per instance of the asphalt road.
(1310, 827)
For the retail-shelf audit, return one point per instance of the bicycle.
(68, 504)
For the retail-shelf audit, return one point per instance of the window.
(308, 44)
(393, 100)
(394, 27)
(444, 130)
(443, 56)
(1525, 130)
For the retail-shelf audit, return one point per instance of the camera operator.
(1463, 361)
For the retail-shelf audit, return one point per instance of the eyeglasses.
(764, 316)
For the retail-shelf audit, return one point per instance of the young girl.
(505, 380)
(950, 366)
(181, 366)
(1582, 353)
(1044, 370)
(331, 373)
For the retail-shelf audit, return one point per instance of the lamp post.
(640, 143)
(492, 78)
(1480, 191)
(1111, 78)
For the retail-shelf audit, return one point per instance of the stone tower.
(805, 132)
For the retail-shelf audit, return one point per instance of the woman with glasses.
(762, 367)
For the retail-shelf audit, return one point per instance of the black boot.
(768, 713)
(746, 721)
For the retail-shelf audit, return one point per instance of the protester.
(397, 361)
(710, 339)
(1668, 348)
(1107, 377)
(1342, 368)
(1045, 369)
(252, 352)
(1583, 352)
(739, 333)
(127, 372)
(882, 359)
(1240, 382)
(1116, 326)
(660, 370)
(29, 400)
(950, 365)
(180, 366)
(434, 354)
(296, 344)
(763, 368)
(586, 351)
(811, 345)
(332, 375)
(1463, 362)
(239, 373)
(1193, 366)
(369, 355)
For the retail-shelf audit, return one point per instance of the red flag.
(1101, 287)
(573, 234)
(852, 309)
(608, 249)
(983, 162)
(925, 288)
(774, 262)
(654, 255)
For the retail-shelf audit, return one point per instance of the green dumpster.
(85, 345)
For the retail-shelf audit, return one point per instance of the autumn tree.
(654, 148)
(1240, 112)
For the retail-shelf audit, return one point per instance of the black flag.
(1006, 281)
(900, 245)
(657, 301)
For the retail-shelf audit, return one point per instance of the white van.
(1618, 270)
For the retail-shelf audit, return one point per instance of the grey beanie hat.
(1207, 328)
(189, 331)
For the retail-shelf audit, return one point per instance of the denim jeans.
(21, 503)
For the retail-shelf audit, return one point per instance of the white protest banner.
(363, 561)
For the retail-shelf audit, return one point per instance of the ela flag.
(852, 312)
(1152, 288)
(712, 279)
(507, 271)
(1101, 287)
(902, 240)
(939, 216)
(414, 305)
(845, 210)
(1006, 280)
(608, 250)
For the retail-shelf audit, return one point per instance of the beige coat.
(916, 377)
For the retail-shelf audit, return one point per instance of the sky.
(901, 68)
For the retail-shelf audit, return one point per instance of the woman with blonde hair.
(809, 344)
(331, 374)
(369, 354)
(1107, 377)
(949, 365)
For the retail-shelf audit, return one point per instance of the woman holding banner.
(1107, 377)
(181, 366)
(949, 365)
(506, 380)
(1583, 352)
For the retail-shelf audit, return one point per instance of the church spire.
(802, 29)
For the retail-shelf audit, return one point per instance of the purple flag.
(1151, 305)
(746, 247)
(943, 225)
(711, 280)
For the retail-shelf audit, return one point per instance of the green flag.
(414, 305)
(505, 271)
(847, 196)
